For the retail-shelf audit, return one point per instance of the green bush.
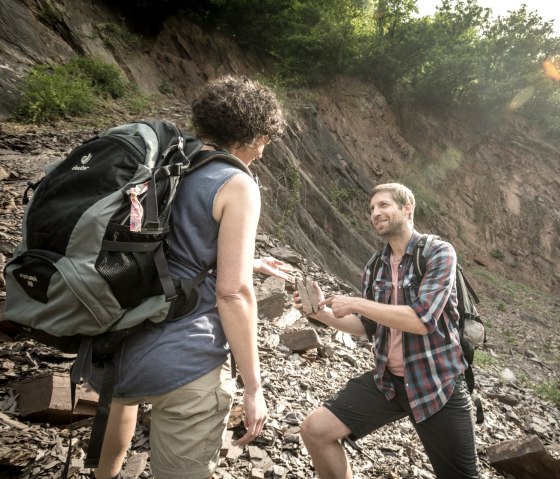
(104, 77)
(51, 92)
(72, 89)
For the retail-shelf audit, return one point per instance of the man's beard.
(394, 227)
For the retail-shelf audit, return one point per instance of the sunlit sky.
(547, 9)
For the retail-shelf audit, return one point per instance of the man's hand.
(273, 267)
(341, 305)
(255, 416)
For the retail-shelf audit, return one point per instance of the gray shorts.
(188, 425)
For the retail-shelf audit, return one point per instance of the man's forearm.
(350, 324)
(401, 317)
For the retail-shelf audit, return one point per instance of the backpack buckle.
(176, 169)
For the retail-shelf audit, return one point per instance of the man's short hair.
(400, 193)
(236, 111)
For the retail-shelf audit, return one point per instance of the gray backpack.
(91, 267)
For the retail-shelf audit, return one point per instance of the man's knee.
(322, 426)
(309, 428)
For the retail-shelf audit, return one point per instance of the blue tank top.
(163, 357)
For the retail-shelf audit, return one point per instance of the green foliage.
(294, 185)
(549, 391)
(349, 196)
(52, 92)
(483, 359)
(115, 36)
(136, 103)
(165, 87)
(460, 57)
(497, 254)
(509, 336)
(104, 77)
(49, 13)
(72, 89)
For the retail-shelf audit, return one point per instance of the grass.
(549, 391)
(484, 359)
(497, 254)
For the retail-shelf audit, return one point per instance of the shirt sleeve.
(436, 286)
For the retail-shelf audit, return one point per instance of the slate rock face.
(343, 139)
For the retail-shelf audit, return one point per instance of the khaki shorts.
(188, 426)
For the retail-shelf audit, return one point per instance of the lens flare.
(522, 97)
(551, 67)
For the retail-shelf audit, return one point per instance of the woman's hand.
(273, 267)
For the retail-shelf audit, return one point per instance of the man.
(181, 367)
(418, 358)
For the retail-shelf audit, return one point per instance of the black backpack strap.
(373, 266)
(68, 462)
(420, 255)
(187, 295)
(101, 416)
(82, 369)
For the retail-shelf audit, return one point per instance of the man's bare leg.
(321, 432)
(120, 429)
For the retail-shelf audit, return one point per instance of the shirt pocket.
(381, 290)
(410, 287)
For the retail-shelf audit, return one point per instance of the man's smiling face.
(387, 216)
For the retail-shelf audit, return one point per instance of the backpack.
(91, 266)
(471, 328)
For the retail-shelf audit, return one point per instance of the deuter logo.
(31, 280)
(84, 160)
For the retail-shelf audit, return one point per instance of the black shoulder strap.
(206, 156)
(375, 265)
(419, 255)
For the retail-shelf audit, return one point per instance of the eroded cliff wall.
(490, 187)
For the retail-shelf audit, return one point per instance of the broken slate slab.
(308, 296)
(300, 340)
(524, 458)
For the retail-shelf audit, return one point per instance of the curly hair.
(237, 111)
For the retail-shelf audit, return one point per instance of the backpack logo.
(83, 160)
(31, 280)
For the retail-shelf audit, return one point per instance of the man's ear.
(408, 208)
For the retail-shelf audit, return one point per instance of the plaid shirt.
(431, 362)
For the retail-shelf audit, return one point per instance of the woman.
(181, 367)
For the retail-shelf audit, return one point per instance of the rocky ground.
(517, 371)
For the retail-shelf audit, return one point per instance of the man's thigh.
(448, 437)
(188, 426)
(362, 407)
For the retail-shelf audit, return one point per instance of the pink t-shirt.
(395, 362)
